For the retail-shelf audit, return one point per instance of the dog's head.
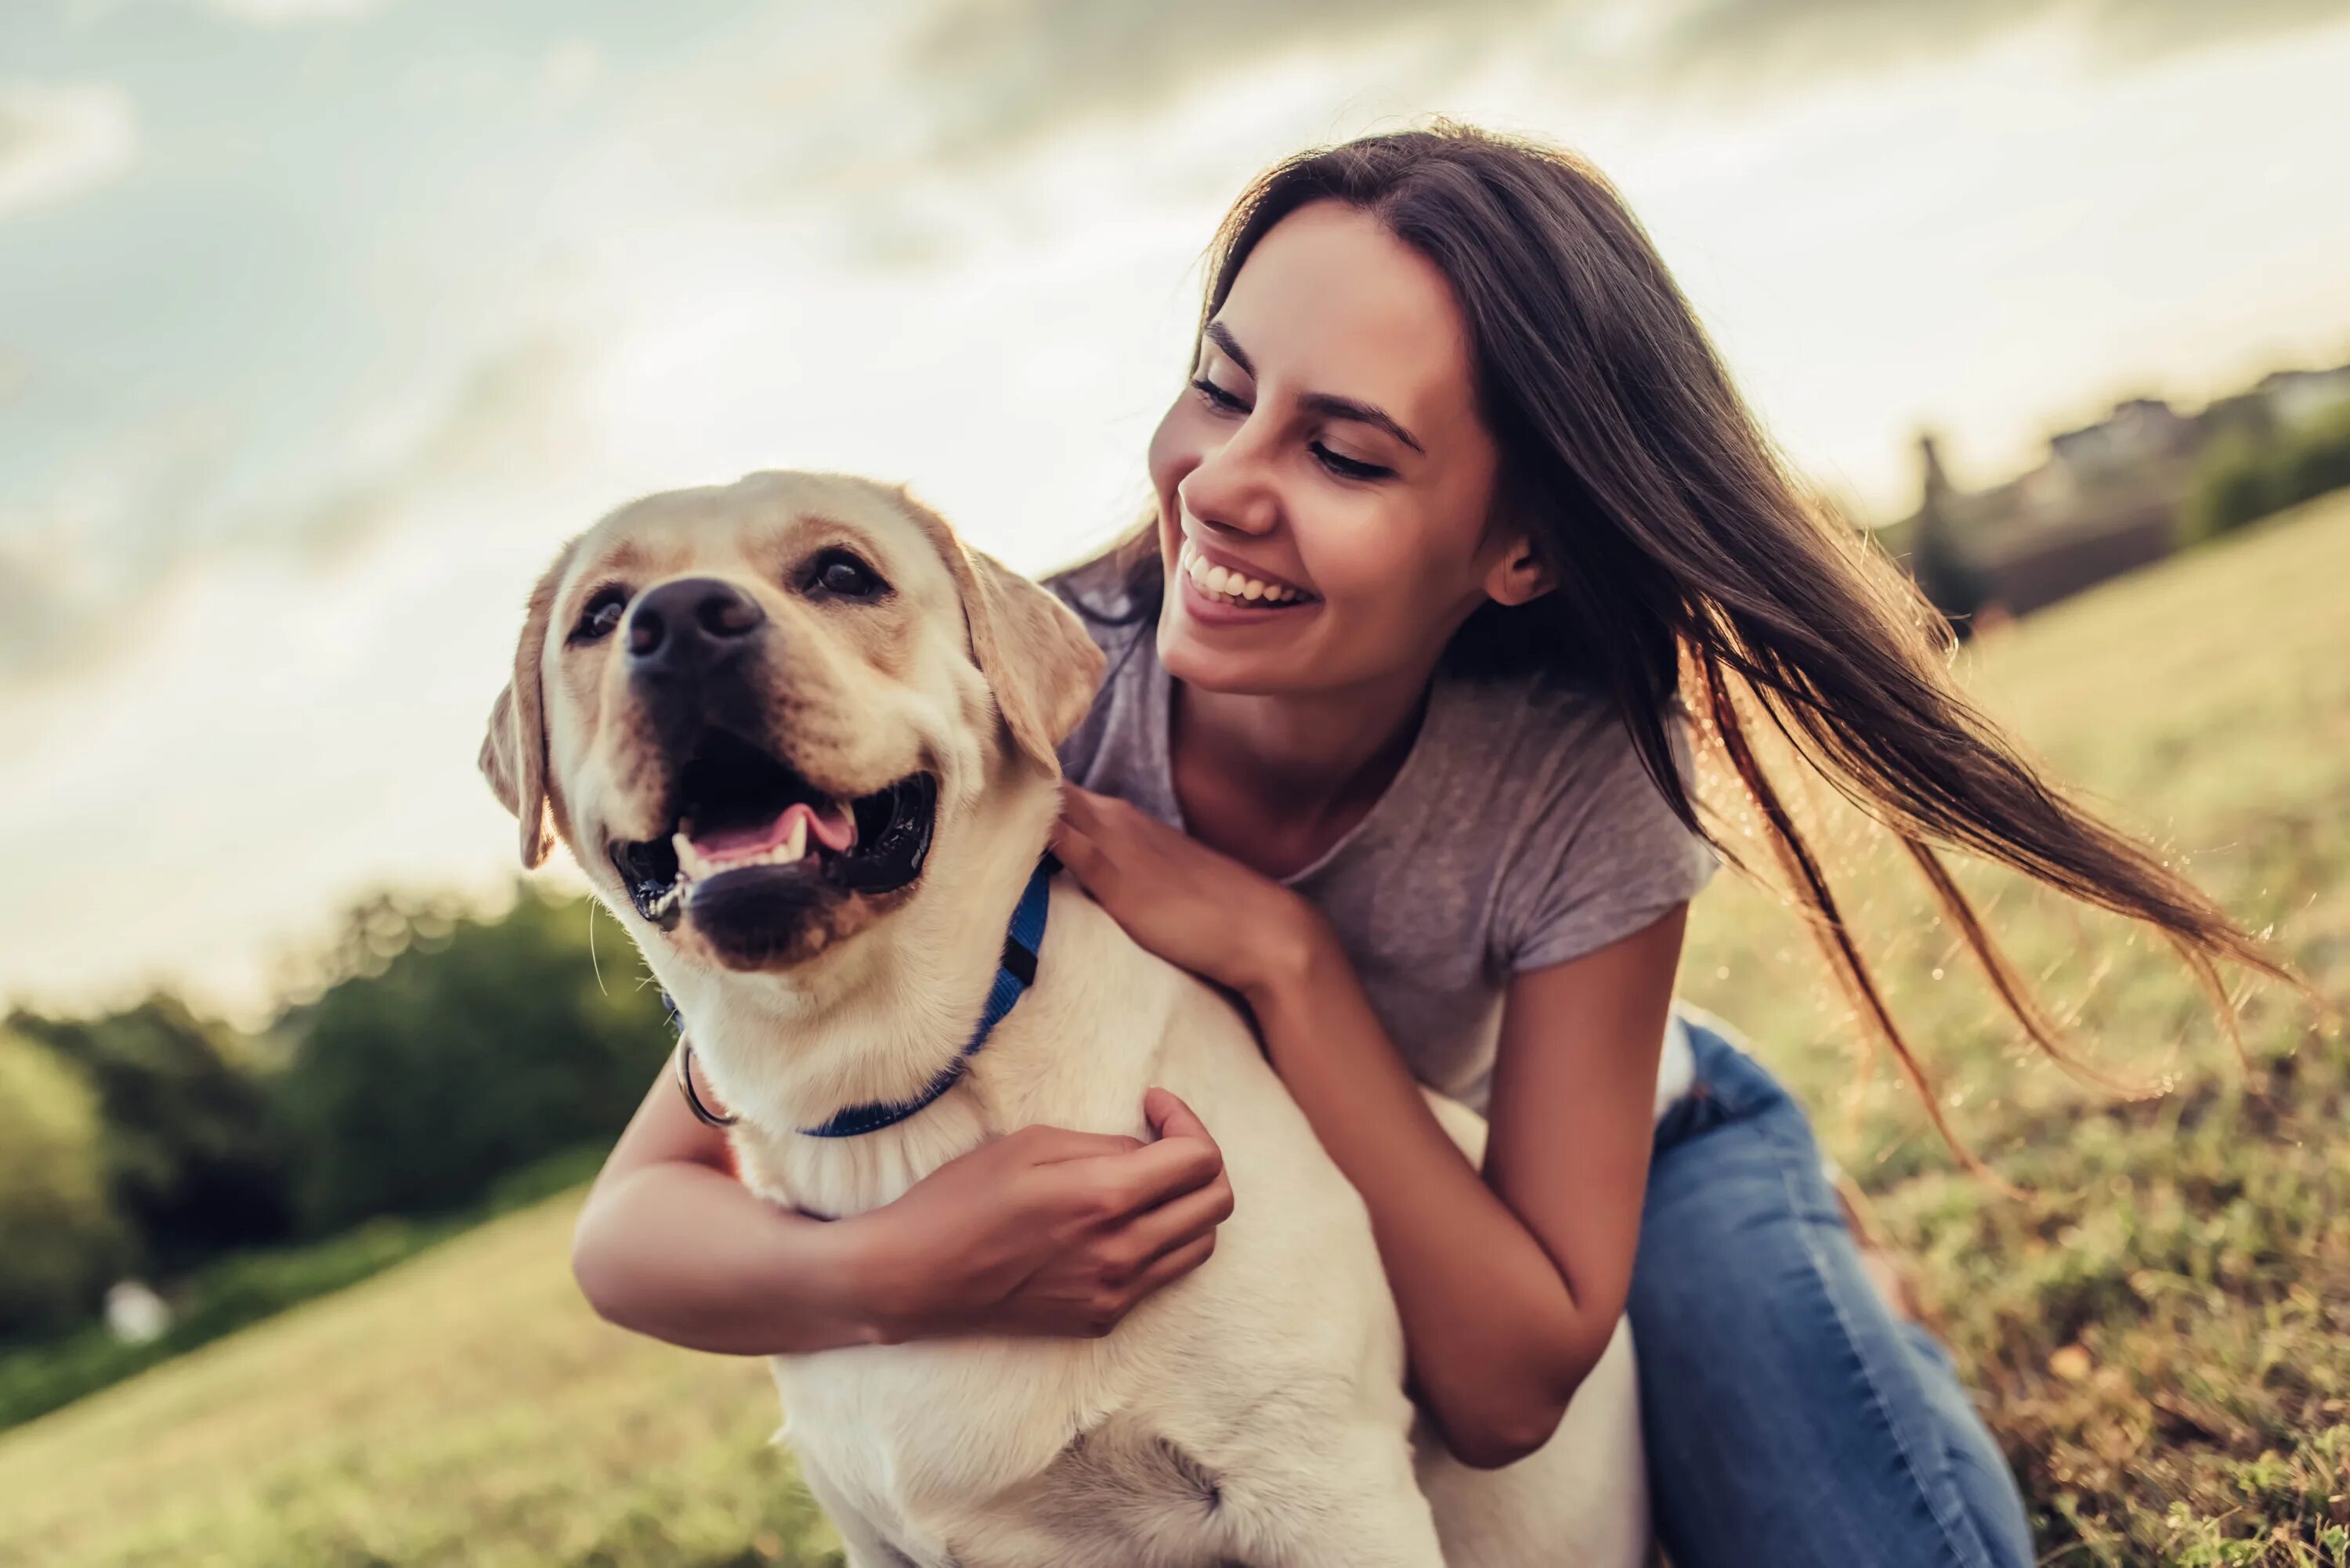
(750, 710)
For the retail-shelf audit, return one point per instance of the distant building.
(2104, 501)
(2140, 430)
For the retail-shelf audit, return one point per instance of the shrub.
(60, 1237)
(196, 1158)
(451, 1052)
(2244, 475)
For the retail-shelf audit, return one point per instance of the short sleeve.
(1602, 857)
(1094, 591)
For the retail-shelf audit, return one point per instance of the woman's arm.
(1046, 1232)
(671, 1244)
(1510, 1285)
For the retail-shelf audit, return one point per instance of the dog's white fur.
(1254, 1411)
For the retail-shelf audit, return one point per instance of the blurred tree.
(60, 1238)
(2246, 474)
(2233, 483)
(447, 1051)
(195, 1157)
(2317, 460)
(2248, 415)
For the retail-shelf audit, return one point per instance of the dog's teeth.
(693, 866)
(795, 844)
(665, 911)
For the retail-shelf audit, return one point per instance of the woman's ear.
(1520, 577)
(514, 753)
(1034, 650)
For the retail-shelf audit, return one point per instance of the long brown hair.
(1688, 561)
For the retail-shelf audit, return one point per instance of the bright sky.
(323, 321)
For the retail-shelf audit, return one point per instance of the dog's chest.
(1118, 1494)
(833, 1178)
(921, 1438)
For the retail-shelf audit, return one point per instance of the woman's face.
(1329, 449)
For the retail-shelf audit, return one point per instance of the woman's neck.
(1276, 780)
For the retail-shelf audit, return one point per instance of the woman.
(1465, 516)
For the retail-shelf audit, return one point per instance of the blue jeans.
(1791, 1416)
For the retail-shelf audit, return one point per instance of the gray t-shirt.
(1519, 832)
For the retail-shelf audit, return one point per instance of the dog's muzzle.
(752, 847)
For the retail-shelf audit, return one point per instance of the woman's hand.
(1048, 1231)
(1193, 907)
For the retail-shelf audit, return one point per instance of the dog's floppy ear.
(1032, 648)
(1035, 652)
(514, 753)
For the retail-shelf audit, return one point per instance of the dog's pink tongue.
(835, 829)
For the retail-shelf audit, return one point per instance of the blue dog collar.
(1013, 975)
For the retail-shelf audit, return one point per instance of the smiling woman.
(1340, 373)
(1459, 523)
(1445, 387)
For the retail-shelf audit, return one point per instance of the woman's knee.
(1781, 1400)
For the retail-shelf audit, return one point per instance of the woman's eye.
(1217, 397)
(1347, 467)
(840, 573)
(600, 617)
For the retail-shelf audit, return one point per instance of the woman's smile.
(1206, 606)
(1219, 588)
(1235, 579)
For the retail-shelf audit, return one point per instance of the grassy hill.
(2162, 1328)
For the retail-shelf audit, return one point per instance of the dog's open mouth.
(745, 821)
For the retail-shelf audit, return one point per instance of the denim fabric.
(1791, 1416)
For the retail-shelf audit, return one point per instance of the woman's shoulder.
(1540, 731)
(1592, 847)
(1107, 746)
(1101, 591)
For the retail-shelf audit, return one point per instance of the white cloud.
(288, 13)
(58, 139)
(1003, 70)
(570, 70)
(85, 573)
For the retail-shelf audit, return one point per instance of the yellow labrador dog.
(802, 741)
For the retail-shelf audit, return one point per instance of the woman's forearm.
(1498, 1342)
(686, 1253)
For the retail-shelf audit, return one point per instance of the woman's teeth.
(1226, 583)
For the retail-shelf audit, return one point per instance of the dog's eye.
(601, 615)
(839, 572)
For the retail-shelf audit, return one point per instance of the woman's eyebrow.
(1329, 404)
(1338, 408)
(1221, 335)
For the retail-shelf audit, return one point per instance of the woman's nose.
(1233, 488)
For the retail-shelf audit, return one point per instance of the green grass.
(245, 1287)
(2161, 1330)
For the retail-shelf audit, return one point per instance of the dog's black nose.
(690, 625)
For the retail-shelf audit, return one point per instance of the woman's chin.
(1210, 659)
